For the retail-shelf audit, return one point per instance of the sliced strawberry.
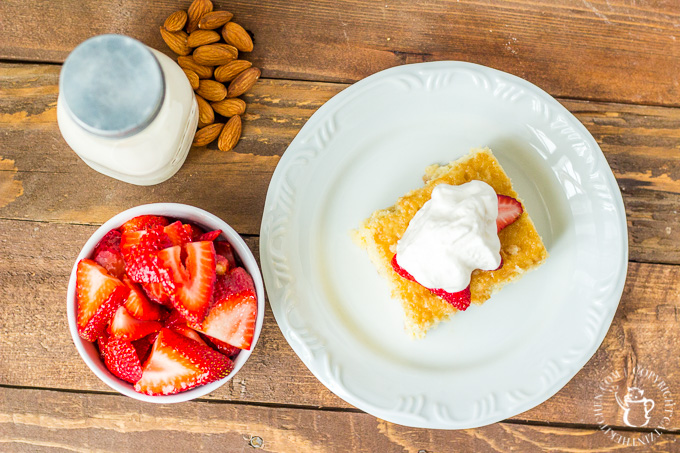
(138, 305)
(459, 299)
(143, 346)
(121, 358)
(196, 232)
(157, 293)
(140, 253)
(174, 319)
(143, 222)
(129, 240)
(509, 210)
(190, 284)
(125, 327)
(210, 235)
(232, 319)
(225, 348)
(98, 296)
(221, 265)
(188, 332)
(225, 249)
(235, 281)
(178, 233)
(107, 254)
(177, 363)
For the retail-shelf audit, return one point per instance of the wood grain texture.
(611, 50)
(37, 349)
(102, 423)
(641, 144)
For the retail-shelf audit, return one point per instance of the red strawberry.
(509, 210)
(196, 232)
(188, 332)
(232, 319)
(107, 254)
(139, 306)
(177, 363)
(235, 281)
(174, 319)
(191, 284)
(157, 293)
(143, 222)
(98, 296)
(225, 249)
(120, 357)
(126, 327)
(221, 265)
(459, 299)
(140, 253)
(210, 235)
(143, 346)
(178, 233)
(225, 348)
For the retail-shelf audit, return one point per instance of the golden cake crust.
(521, 246)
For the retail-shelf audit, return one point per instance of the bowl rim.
(182, 212)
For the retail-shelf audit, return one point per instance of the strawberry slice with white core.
(509, 210)
(177, 363)
(126, 327)
(190, 284)
(232, 319)
(139, 306)
(178, 233)
(98, 296)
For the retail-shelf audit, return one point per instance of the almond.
(215, 54)
(176, 41)
(202, 37)
(215, 19)
(229, 71)
(230, 134)
(237, 36)
(207, 134)
(176, 21)
(193, 78)
(243, 82)
(211, 90)
(188, 62)
(205, 112)
(196, 10)
(229, 107)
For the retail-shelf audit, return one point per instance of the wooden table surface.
(615, 64)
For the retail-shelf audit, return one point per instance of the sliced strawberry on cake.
(126, 327)
(121, 359)
(177, 363)
(232, 319)
(509, 210)
(98, 296)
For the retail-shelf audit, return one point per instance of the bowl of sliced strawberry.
(165, 302)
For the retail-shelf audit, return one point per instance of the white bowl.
(183, 212)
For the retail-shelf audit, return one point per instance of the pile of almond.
(208, 52)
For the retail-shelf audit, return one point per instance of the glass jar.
(127, 110)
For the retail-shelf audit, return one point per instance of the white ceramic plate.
(369, 145)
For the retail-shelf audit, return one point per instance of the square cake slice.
(521, 246)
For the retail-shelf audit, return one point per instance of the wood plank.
(639, 142)
(599, 50)
(37, 349)
(102, 423)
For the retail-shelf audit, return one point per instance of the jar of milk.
(127, 110)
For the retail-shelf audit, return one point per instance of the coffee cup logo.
(636, 408)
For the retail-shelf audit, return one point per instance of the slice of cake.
(521, 248)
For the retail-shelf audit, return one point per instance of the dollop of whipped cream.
(453, 234)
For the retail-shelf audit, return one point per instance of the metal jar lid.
(112, 85)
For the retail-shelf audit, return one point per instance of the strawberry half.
(235, 281)
(177, 363)
(98, 296)
(107, 254)
(232, 319)
(140, 249)
(125, 327)
(138, 305)
(509, 210)
(178, 233)
(121, 359)
(157, 293)
(459, 299)
(190, 284)
(143, 222)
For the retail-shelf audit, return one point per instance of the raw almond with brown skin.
(229, 107)
(193, 78)
(230, 134)
(176, 21)
(207, 134)
(211, 90)
(237, 36)
(188, 62)
(215, 19)
(202, 37)
(215, 54)
(205, 112)
(243, 82)
(196, 10)
(229, 71)
(176, 41)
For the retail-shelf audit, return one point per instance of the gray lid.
(112, 85)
